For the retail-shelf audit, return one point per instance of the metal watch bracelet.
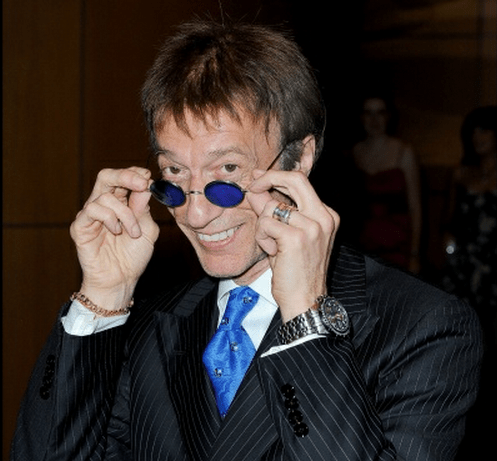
(302, 325)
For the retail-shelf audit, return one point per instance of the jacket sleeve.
(66, 409)
(406, 402)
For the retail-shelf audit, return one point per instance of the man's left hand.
(299, 251)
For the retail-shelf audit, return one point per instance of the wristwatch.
(305, 324)
(333, 315)
(326, 316)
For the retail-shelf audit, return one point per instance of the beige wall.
(72, 73)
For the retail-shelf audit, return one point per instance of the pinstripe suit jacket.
(397, 389)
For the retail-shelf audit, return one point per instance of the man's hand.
(299, 252)
(114, 235)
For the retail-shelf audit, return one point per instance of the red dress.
(387, 229)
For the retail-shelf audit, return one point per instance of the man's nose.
(200, 211)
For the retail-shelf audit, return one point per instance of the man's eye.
(174, 170)
(230, 167)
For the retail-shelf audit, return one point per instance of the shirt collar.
(261, 285)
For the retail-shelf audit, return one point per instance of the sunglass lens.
(224, 194)
(168, 193)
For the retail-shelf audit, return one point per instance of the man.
(291, 348)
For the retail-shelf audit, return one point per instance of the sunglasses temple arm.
(275, 159)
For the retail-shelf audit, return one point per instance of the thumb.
(139, 203)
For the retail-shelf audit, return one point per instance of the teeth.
(217, 237)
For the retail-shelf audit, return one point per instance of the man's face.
(221, 149)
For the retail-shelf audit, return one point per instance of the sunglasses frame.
(157, 196)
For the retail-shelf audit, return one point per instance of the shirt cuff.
(276, 349)
(80, 321)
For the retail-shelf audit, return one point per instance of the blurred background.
(72, 71)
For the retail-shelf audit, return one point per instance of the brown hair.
(208, 67)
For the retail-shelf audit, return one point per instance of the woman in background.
(472, 250)
(472, 239)
(392, 226)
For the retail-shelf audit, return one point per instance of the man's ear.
(306, 161)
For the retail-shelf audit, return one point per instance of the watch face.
(335, 317)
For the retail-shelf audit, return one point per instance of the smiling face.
(220, 149)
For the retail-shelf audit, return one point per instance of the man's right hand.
(115, 235)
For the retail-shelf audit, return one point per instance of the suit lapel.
(183, 336)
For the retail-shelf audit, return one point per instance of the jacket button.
(288, 390)
(295, 417)
(44, 393)
(49, 371)
(301, 430)
(291, 404)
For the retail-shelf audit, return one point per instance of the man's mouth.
(219, 237)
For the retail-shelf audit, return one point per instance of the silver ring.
(282, 212)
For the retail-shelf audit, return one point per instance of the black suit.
(398, 388)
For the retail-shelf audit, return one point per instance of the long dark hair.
(481, 117)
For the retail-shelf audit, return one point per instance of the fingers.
(118, 202)
(274, 235)
(110, 212)
(295, 185)
(120, 182)
(299, 247)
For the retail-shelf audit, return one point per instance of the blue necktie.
(230, 351)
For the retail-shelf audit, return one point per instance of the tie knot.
(240, 302)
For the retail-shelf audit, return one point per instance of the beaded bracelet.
(78, 296)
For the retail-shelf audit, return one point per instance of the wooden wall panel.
(41, 135)
(41, 110)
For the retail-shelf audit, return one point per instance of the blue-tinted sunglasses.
(225, 194)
